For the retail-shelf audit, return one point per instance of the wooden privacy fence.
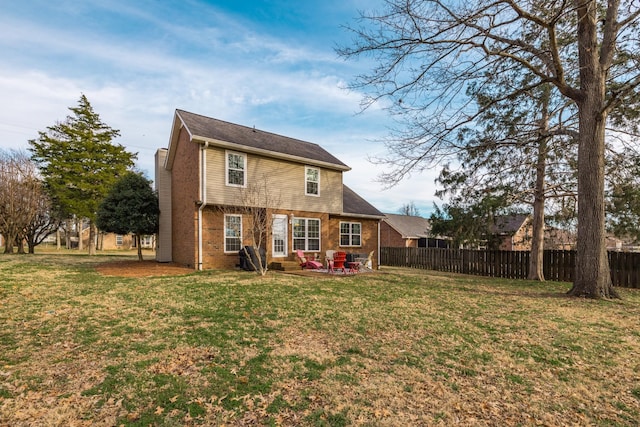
(558, 265)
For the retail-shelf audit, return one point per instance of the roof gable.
(238, 137)
(409, 227)
(509, 224)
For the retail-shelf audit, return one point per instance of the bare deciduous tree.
(44, 223)
(255, 203)
(409, 209)
(429, 52)
(20, 197)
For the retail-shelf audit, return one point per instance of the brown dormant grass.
(398, 347)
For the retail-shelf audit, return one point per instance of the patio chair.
(329, 258)
(307, 262)
(367, 263)
(339, 258)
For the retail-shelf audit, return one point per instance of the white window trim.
(306, 234)
(340, 234)
(306, 168)
(225, 233)
(226, 168)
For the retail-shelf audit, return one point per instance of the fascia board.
(363, 216)
(178, 125)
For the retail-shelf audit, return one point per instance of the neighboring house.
(201, 177)
(514, 232)
(408, 231)
(510, 233)
(112, 241)
(559, 239)
(621, 244)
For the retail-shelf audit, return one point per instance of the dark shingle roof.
(352, 203)
(509, 224)
(409, 226)
(202, 127)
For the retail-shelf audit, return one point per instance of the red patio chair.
(339, 258)
(307, 262)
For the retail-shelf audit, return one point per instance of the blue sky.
(268, 64)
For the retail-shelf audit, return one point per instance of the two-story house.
(202, 179)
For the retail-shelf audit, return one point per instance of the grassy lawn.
(397, 348)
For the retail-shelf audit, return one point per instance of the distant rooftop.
(509, 224)
(409, 227)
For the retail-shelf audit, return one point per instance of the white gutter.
(203, 198)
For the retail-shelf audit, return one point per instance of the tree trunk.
(67, 234)
(592, 276)
(31, 243)
(10, 238)
(8, 243)
(58, 238)
(139, 243)
(20, 244)
(536, 261)
(92, 238)
(79, 231)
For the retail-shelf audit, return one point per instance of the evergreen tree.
(130, 207)
(79, 163)
(522, 151)
(469, 223)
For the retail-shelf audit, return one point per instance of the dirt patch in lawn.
(142, 269)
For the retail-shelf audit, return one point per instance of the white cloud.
(212, 64)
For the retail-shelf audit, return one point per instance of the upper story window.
(350, 234)
(312, 181)
(236, 167)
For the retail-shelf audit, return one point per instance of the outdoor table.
(354, 266)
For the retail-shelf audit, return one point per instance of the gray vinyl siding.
(285, 179)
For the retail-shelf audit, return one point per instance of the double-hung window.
(236, 169)
(232, 233)
(350, 234)
(306, 234)
(311, 181)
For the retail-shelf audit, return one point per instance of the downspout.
(379, 221)
(203, 198)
